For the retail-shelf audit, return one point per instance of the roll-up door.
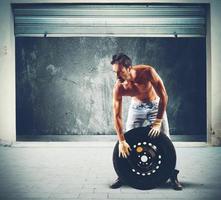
(152, 20)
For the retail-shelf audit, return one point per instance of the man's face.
(121, 72)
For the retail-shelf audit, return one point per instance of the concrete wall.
(64, 85)
(216, 72)
(7, 74)
(7, 67)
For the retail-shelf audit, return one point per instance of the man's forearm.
(118, 125)
(162, 107)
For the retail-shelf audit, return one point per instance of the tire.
(149, 168)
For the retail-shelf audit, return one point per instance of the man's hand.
(155, 128)
(124, 148)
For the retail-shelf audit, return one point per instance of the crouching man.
(148, 103)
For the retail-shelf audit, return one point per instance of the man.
(148, 104)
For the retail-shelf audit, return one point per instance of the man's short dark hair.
(122, 59)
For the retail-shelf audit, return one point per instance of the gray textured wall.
(64, 85)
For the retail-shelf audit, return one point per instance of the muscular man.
(148, 104)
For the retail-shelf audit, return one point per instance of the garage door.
(158, 20)
(52, 74)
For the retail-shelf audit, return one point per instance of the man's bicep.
(157, 82)
(117, 108)
(117, 102)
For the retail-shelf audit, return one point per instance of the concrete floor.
(84, 170)
(73, 138)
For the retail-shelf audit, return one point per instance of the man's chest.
(141, 87)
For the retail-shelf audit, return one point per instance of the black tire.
(155, 164)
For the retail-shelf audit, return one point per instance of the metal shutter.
(152, 20)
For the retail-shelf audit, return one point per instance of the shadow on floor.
(167, 185)
(184, 184)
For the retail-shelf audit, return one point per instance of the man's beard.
(121, 79)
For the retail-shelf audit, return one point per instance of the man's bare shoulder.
(143, 70)
(142, 67)
(117, 89)
(150, 72)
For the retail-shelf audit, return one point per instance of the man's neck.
(132, 75)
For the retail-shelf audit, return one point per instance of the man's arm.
(160, 90)
(123, 147)
(117, 110)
